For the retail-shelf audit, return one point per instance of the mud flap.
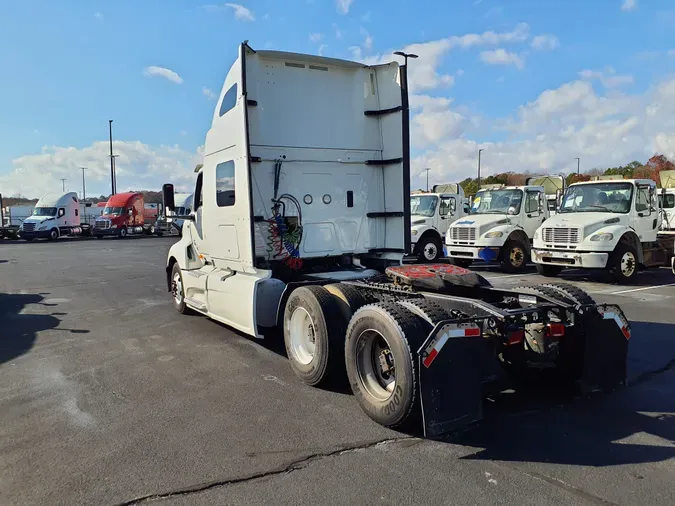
(607, 333)
(450, 365)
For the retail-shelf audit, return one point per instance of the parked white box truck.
(499, 228)
(608, 224)
(55, 215)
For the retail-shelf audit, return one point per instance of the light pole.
(114, 165)
(84, 191)
(112, 160)
(479, 151)
(63, 184)
(578, 162)
(427, 169)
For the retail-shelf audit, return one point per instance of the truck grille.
(562, 235)
(28, 227)
(102, 224)
(462, 234)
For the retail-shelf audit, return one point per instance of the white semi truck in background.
(183, 202)
(430, 215)
(667, 199)
(612, 225)
(55, 215)
(499, 228)
(303, 230)
(554, 188)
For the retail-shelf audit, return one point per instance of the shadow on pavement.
(18, 332)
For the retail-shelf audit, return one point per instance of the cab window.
(62, 212)
(225, 184)
(447, 205)
(532, 202)
(198, 192)
(642, 199)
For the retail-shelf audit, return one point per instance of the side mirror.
(167, 196)
(511, 210)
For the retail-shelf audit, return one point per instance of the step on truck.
(303, 230)
(430, 215)
(54, 215)
(127, 214)
(499, 228)
(611, 225)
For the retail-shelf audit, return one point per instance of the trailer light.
(326, 199)
(516, 337)
(491, 235)
(555, 329)
(308, 199)
(605, 236)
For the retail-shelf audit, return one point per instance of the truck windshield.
(44, 211)
(601, 198)
(423, 205)
(113, 210)
(497, 202)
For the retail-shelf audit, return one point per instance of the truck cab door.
(533, 212)
(647, 216)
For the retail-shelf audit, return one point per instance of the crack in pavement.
(582, 494)
(647, 375)
(284, 469)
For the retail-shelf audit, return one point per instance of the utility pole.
(63, 184)
(479, 168)
(427, 169)
(578, 162)
(84, 191)
(112, 160)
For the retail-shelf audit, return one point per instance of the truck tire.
(572, 292)
(348, 298)
(514, 256)
(122, 233)
(314, 334)
(177, 290)
(549, 271)
(623, 263)
(429, 311)
(429, 249)
(53, 234)
(460, 262)
(385, 335)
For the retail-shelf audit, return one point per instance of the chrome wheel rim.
(177, 289)
(517, 257)
(628, 264)
(302, 336)
(375, 365)
(430, 251)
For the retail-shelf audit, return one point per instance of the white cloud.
(315, 37)
(321, 49)
(424, 72)
(628, 5)
(604, 129)
(138, 167)
(368, 40)
(154, 71)
(240, 12)
(343, 5)
(208, 93)
(501, 57)
(607, 77)
(545, 42)
(98, 16)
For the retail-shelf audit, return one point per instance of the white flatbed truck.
(303, 230)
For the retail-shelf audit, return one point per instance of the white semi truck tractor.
(613, 225)
(554, 188)
(667, 199)
(499, 228)
(430, 215)
(299, 227)
(55, 215)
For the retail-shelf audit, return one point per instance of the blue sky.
(535, 83)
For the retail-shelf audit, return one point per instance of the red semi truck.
(126, 214)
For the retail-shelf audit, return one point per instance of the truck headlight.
(42, 228)
(113, 226)
(604, 236)
(414, 232)
(491, 235)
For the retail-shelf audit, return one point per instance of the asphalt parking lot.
(108, 396)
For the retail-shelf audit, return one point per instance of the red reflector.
(556, 329)
(516, 337)
(472, 332)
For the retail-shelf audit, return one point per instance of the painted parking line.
(640, 289)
